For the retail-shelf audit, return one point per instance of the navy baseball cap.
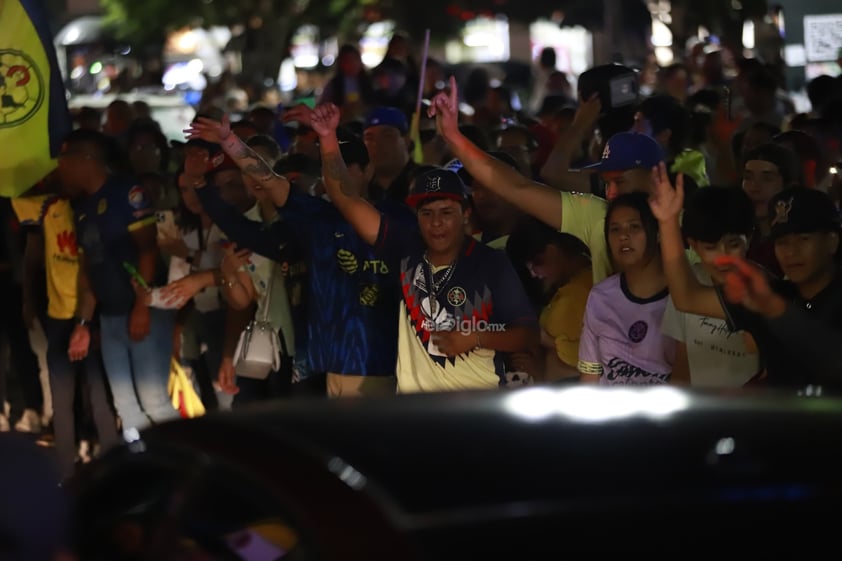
(438, 183)
(389, 117)
(803, 211)
(629, 150)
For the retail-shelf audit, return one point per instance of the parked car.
(540, 473)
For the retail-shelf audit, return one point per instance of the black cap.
(802, 211)
(439, 183)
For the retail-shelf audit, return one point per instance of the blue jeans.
(63, 380)
(138, 372)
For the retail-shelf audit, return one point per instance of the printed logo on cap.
(782, 210)
(607, 152)
(433, 183)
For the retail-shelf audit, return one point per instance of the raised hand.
(666, 203)
(325, 119)
(445, 108)
(587, 114)
(209, 130)
(298, 114)
(745, 284)
(233, 262)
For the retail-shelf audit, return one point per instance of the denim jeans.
(63, 379)
(138, 372)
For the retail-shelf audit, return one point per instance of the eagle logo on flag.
(21, 88)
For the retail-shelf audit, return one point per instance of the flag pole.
(418, 151)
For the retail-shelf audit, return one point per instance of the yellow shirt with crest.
(61, 253)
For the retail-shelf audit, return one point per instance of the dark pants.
(63, 379)
(22, 361)
(278, 385)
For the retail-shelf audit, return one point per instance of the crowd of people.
(688, 237)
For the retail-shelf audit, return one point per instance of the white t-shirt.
(264, 271)
(718, 358)
(209, 299)
(621, 339)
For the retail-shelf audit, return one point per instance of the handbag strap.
(264, 314)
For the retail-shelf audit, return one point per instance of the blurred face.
(195, 160)
(145, 155)
(490, 209)
(515, 144)
(350, 64)
(263, 121)
(552, 267)
(306, 143)
(677, 85)
(761, 182)
(154, 187)
(806, 257)
(191, 201)
(442, 225)
(733, 245)
(244, 131)
(232, 190)
(755, 137)
(252, 185)
(74, 166)
(386, 148)
(627, 238)
(117, 119)
(622, 182)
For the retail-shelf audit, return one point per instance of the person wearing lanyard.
(463, 305)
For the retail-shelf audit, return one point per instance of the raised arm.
(360, 213)
(688, 294)
(269, 241)
(556, 171)
(246, 159)
(804, 333)
(542, 202)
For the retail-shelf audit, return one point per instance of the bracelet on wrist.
(82, 322)
(479, 343)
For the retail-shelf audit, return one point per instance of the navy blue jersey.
(353, 297)
(104, 225)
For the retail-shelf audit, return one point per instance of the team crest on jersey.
(102, 206)
(782, 210)
(456, 296)
(638, 331)
(136, 197)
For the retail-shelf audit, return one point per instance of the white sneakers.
(29, 422)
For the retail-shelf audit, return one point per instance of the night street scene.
(340, 280)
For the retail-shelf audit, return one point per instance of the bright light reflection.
(589, 404)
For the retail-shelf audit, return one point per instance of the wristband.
(82, 322)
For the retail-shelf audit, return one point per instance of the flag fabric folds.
(33, 109)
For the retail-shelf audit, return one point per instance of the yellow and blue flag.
(33, 109)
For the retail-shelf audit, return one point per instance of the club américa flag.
(33, 109)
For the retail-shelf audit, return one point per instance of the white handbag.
(258, 352)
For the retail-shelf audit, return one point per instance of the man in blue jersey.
(353, 295)
(115, 225)
(462, 303)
